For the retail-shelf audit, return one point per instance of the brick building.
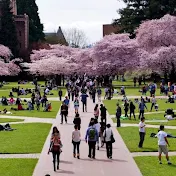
(22, 29)
(109, 29)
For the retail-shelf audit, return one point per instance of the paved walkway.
(122, 162)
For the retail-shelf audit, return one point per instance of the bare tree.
(75, 37)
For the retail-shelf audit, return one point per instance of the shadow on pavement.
(66, 162)
(65, 172)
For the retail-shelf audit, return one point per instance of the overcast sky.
(88, 15)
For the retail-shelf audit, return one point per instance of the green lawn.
(158, 116)
(17, 167)
(130, 136)
(149, 166)
(28, 138)
(111, 105)
(5, 120)
(5, 90)
(55, 108)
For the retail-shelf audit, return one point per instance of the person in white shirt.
(76, 138)
(47, 91)
(107, 138)
(162, 144)
(97, 126)
(153, 102)
(141, 132)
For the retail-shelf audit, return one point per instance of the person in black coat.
(60, 94)
(118, 114)
(77, 121)
(132, 110)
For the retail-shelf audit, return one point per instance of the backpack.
(56, 144)
(92, 133)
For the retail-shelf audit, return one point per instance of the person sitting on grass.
(4, 111)
(11, 101)
(162, 144)
(30, 106)
(11, 94)
(4, 101)
(48, 107)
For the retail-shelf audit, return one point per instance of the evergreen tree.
(30, 8)
(137, 11)
(8, 35)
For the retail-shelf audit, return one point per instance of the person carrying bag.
(109, 140)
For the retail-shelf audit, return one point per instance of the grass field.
(5, 120)
(34, 113)
(28, 138)
(130, 136)
(17, 167)
(149, 166)
(5, 90)
(111, 105)
(150, 117)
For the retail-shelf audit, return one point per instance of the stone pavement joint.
(122, 162)
(135, 154)
(35, 156)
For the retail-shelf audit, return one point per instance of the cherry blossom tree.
(154, 34)
(5, 52)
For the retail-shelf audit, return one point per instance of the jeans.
(60, 98)
(56, 155)
(73, 97)
(132, 113)
(153, 104)
(84, 106)
(63, 116)
(109, 149)
(93, 98)
(126, 113)
(118, 122)
(142, 137)
(76, 146)
(92, 145)
(141, 113)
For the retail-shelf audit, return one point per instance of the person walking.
(118, 114)
(73, 93)
(55, 147)
(93, 94)
(141, 132)
(132, 110)
(91, 137)
(103, 113)
(142, 107)
(99, 92)
(126, 108)
(77, 121)
(84, 101)
(96, 111)
(60, 93)
(97, 126)
(76, 139)
(153, 102)
(66, 101)
(108, 140)
(76, 105)
(64, 112)
(162, 144)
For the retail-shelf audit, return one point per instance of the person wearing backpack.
(55, 147)
(91, 137)
(132, 110)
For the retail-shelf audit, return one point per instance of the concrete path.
(29, 119)
(35, 155)
(150, 154)
(122, 163)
